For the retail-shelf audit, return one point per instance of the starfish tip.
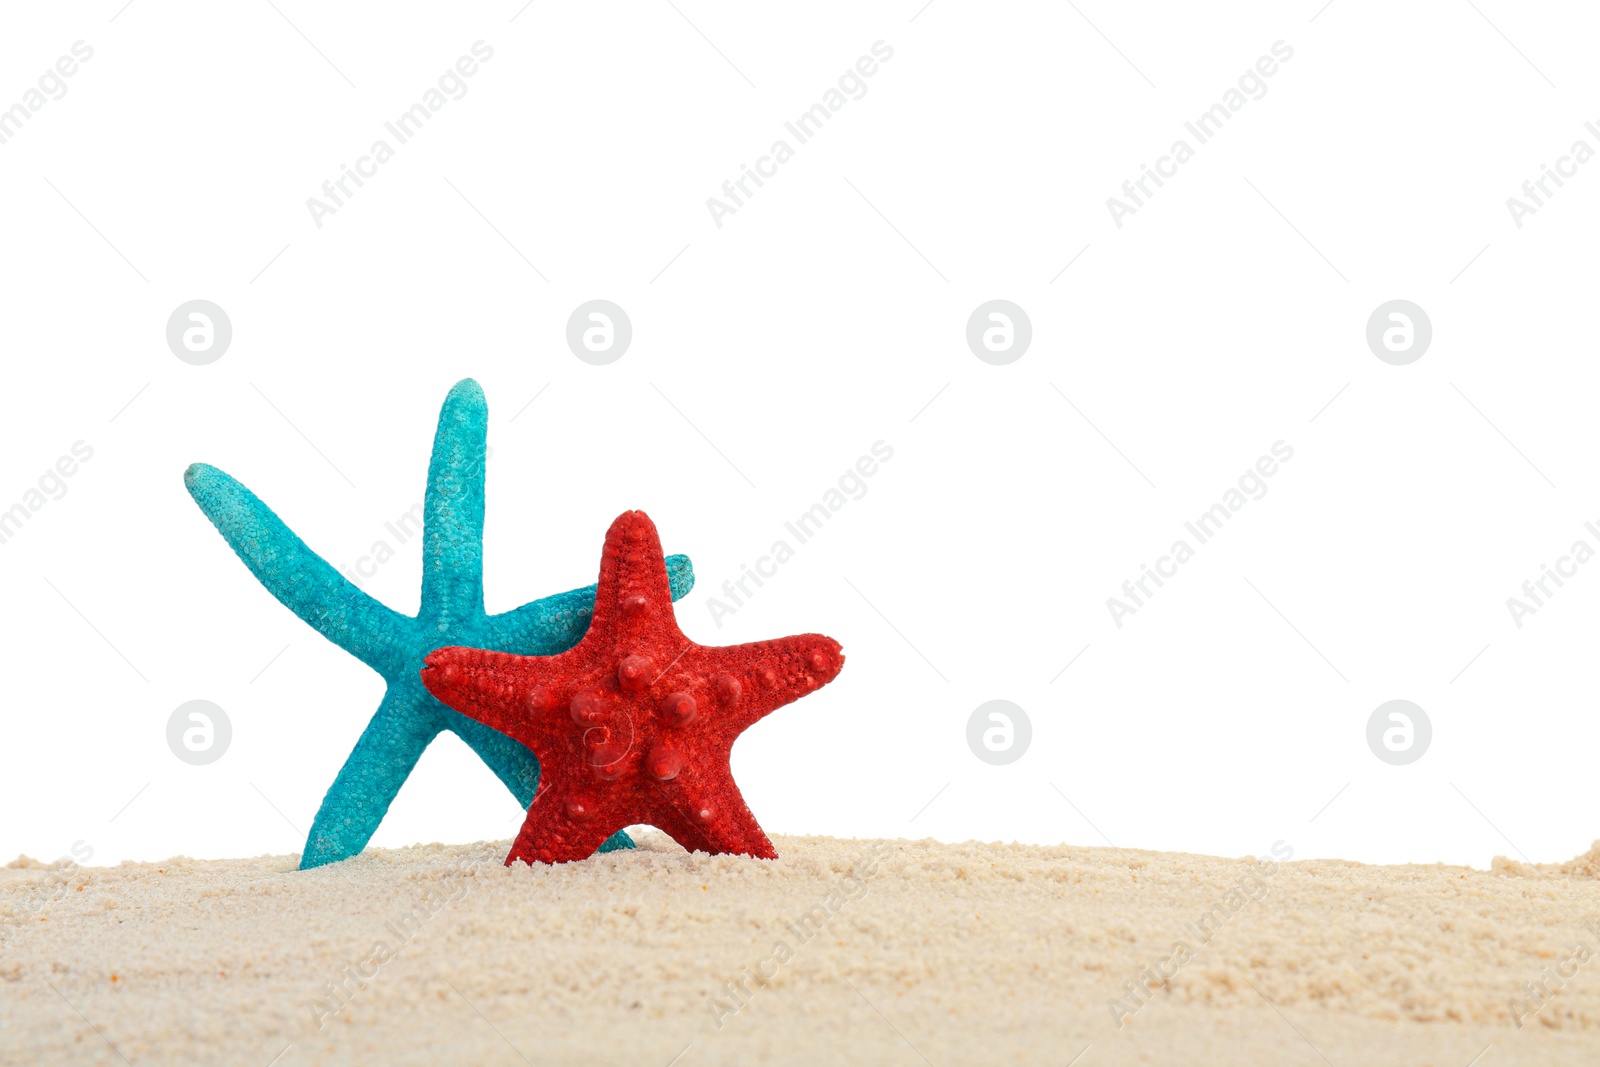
(632, 526)
(466, 392)
(461, 678)
(441, 667)
(821, 658)
(196, 476)
(216, 493)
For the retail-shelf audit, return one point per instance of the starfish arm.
(632, 601)
(766, 676)
(301, 580)
(515, 764)
(379, 764)
(676, 817)
(452, 510)
(724, 821)
(556, 623)
(550, 834)
(504, 692)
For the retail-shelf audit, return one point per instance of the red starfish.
(634, 723)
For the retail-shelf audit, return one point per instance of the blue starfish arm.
(301, 580)
(553, 624)
(370, 778)
(452, 510)
(515, 764)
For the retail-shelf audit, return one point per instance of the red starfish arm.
(678, 817)
(633, 600)
(559, 828)
(708, 814)
(766, 675)
(521, 696)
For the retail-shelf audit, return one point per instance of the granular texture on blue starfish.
(396, 645)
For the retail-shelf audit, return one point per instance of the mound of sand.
(841, 952)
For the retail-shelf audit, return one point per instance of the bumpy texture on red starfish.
(634, 723)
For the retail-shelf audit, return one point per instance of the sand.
(877, 952)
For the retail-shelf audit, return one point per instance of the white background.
(822, 317)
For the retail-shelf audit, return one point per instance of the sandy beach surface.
(840, 952)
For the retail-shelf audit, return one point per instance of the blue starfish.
(395, 645)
